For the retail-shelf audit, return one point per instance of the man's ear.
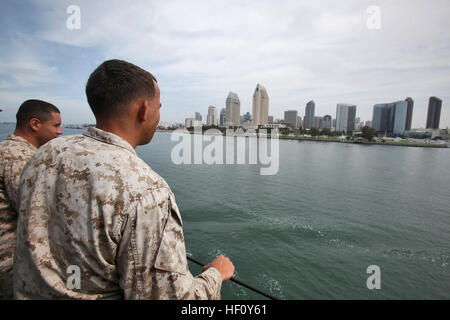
(35, 124)
(144, 107)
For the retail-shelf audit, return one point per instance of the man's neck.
(27, 136)
(117, 129)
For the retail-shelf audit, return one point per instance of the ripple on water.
(441, 258)
(272, 286)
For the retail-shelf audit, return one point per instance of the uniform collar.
(13, 137)
(109, 138)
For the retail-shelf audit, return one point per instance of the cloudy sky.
(327, 51)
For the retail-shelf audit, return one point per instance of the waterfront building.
(191, 122)
(317, 123)
(326, 122)
(345, 117)
(390, 118)
(272, 126)
(233, 110)
(309, 115)
(270, 119)
(434, 113)
(409, 113)
(198, 116)
(400, 115)
(299, 121)
(211, 119)
(222, 117)
(382, 118)
(291, 118)
(260, 106)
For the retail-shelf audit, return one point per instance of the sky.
(359, 52)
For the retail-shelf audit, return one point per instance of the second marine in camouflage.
(37, 122)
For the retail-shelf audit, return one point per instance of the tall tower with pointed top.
(260, 106)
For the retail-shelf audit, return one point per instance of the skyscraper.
(326, 122)
(409, 113)
(309, 115)
(434, 113)
(351, 118)
(290, 118)
(222, 117)
(233, 110)
(382, 118)
(198, 116)
(390, 118)
(345, 117)
(317, 123)
(211, 119)
(260, 105)
(400, 116)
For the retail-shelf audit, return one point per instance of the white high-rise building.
(260, 106)
(212, 119)
(233, 110)
(345, 117)
(191, 122)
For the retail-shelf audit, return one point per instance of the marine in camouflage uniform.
(37, 122)
(15, 152)
(89, 201)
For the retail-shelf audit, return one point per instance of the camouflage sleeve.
(152, 258)
(12, 178)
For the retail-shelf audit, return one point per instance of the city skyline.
(393, 117)
(198, 54)
(407, 109)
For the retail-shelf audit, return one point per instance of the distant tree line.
(367, 132)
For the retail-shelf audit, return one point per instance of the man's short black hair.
(34, 108)
(115, 84)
